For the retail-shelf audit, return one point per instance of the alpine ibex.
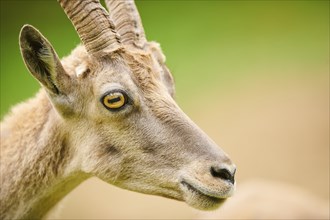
(106, 110)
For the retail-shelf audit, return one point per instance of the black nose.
(223, 174)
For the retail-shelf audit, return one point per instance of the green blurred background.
(253, 74)
(207, 43)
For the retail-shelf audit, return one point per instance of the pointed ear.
(42, 61)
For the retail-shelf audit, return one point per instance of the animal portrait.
(107, 110)
(135, 109)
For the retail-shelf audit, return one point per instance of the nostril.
(223, 174)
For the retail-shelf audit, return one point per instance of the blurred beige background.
(254, 75)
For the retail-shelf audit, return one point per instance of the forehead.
(112, 73)
(126, 68)
(129, 68)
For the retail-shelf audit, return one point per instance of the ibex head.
(114, 97)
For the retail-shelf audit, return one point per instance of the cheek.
(106, 162)
(111, 151)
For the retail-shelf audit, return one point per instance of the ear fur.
(42, 61)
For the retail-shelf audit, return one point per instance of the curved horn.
(127, 21)
(93, 24)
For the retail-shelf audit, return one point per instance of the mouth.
(200, 198)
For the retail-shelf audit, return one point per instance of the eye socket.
(114, 100)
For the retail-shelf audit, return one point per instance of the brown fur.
(64, 135)
(34, 153)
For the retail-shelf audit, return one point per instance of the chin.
(203, 202)
(200, 200)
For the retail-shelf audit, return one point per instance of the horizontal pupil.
(114, 100)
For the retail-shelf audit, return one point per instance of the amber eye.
(114, 100)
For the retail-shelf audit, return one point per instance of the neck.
(35, 160)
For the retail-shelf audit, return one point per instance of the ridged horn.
(93, 25)
(127, 21)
